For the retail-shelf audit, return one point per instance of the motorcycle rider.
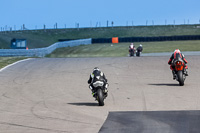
(97, 72)
(177, 53)
(132, 47)
(139, 49)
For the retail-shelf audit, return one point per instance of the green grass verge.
(4, 61)
(121, 49)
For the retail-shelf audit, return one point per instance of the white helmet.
(177, 51)
(140, 45)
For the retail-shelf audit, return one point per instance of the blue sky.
(36, 13)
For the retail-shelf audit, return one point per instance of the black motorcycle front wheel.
(100, 97)
(180, 78)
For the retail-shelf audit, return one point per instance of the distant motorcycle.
(138, 53)
(99, 90)
(139, 50)
(179, 71)
(131, 52)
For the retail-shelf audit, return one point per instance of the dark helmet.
(96, 72)
(96, 68)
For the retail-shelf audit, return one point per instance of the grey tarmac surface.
(51, 95)
(152, 122)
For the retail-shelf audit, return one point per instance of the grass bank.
(44, 38)
(121, 49)
(4, 61)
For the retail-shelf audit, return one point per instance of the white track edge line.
(14, 64)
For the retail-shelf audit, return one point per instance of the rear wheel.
(100, 97)
(138, 53)
(180, 78)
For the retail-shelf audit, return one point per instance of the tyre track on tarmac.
(144, 101)
(31, 127)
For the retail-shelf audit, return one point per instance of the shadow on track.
(165, 84)
(84, 104)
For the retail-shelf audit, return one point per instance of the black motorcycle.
(99, 92)
(139, 51)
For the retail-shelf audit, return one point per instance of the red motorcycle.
(131, 52)
(179, 71)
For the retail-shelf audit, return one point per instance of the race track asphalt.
(51, 95)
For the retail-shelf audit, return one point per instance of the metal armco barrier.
(41, 52)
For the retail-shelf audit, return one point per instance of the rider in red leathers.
(132, 49)
(177, 53)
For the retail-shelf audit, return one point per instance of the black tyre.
(180, 78)
(138, 54)
(100, 97)
(131, 54)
